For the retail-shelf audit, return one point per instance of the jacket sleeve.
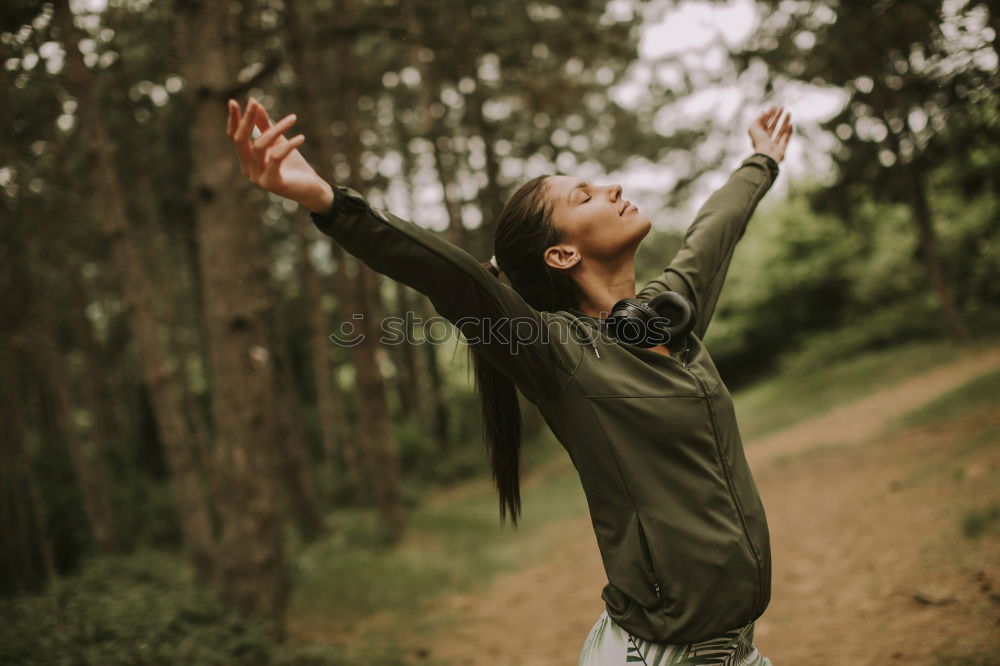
(516, 339)
(700, 266)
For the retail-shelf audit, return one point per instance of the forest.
(194, 472)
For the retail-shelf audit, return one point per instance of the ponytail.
(524, 231)
(501, 420)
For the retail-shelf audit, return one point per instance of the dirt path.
(858, 534)
(863, 419)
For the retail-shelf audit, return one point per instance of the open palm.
(767, 137)
(272, 161)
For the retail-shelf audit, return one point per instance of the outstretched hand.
(271, 161)
(764, 136)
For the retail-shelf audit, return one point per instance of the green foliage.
(145, 512)
(423, 461)
(811, 285)
(450, 546)
(821, 380)
(968, 232)
(145, 608)
(984, 520)
(788, 276)
(976, 394)
(968, 651)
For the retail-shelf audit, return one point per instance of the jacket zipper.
(732, 492)
(648, 558)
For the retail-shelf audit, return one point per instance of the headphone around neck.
(666, 319)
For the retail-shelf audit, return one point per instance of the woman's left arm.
(700, 266)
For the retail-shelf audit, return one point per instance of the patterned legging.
(608, 644)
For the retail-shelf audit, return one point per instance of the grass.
(451, 547)
(964, 654)
(801, 392)
(983, 520)
(980, 392)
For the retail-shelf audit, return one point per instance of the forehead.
(560, 186)
(563, 183)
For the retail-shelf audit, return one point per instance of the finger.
(233, 119)
(783, 140)
(243, 129)
(262, 120)
(765, 117)
(772, 121)
(277, 129)
(275, 157)
(265, 140)
(281, 152)
(787, 123)
(241, 137)
(776, 127)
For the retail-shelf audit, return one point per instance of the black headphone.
(666, 319)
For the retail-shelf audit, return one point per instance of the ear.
(562, 256)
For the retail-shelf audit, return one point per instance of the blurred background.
(194, 473)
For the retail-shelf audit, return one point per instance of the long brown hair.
(523, 232)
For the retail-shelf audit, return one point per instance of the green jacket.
(678, 519)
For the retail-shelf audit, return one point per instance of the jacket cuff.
(345, 201)
(765, 161)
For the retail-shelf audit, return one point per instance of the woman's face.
(595, 220)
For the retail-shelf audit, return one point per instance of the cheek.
(598, 233)
(609, 240)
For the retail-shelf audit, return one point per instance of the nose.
(616, 192)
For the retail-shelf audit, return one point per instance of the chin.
(638, 229)
(645, 224)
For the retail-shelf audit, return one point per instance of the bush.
(144, 608)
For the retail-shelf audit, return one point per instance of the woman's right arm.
(513, 336)
(518, 340)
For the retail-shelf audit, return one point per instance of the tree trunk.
(929, 248)
(237, 307)
(334, 425)
(18, 455)
(408, 380)
(180, 301)
(917, 199)
(431, 128)
(196, 525)
(408, 384)
(490, 197)
(373, 412)
(293, 455)
(437, 402)
(432, 403)
(201, 437)
(456, 233)
(88, 465)
(105, 428)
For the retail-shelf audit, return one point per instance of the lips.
(625, 207)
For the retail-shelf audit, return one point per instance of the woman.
(650, 429)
